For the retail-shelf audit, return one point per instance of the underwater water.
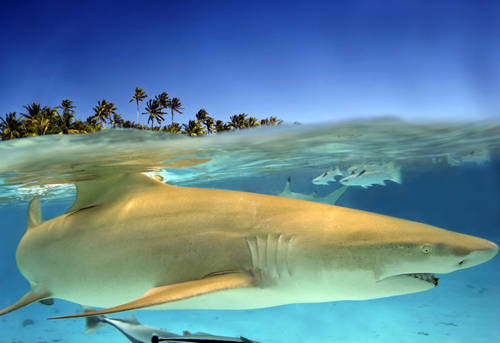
(449, 179)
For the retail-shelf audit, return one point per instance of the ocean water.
(450, 179)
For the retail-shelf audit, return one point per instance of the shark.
(132, 242)
(136, 332)
(330, 198)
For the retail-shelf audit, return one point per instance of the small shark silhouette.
(331, 198)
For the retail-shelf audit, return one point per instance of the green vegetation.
(38, 121)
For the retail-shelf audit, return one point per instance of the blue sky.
(299, 60)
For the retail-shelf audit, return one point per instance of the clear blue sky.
(298, 60)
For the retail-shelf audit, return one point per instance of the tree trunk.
(137, 112)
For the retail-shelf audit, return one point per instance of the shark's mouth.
(431, 278)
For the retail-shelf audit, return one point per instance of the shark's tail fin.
(396, 172)
(93, 323)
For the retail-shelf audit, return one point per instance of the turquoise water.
(449, 179)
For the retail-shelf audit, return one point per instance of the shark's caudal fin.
(92, 323)
(178, 291)
(396, 174)
(28, 298)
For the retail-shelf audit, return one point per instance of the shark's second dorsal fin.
(103, 189)
(131, 320)
(34, 213)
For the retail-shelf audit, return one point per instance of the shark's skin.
(129, 234)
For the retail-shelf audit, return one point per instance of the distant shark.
(131, 242)
(330, 198)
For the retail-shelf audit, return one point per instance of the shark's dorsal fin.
(178, 291)
(95, 192)
(34, 213)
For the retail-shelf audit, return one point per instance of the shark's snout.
(479, 251)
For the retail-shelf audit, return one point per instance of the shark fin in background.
(101, 190)
(396, 176)
(178, 291)
(337, 172)
(287, 186)
(34, 213)
(131, 320)
(334, 196)
(28, 298)
(93, 323)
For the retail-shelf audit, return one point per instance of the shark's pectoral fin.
(178, 291)
(28, 298)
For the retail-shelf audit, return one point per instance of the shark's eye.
(426, 249)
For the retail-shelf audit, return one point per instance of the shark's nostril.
(461, 262)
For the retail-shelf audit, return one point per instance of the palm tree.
(251, 122)
(238, 121)
(111, 110)
(68, 107)
(153, 108)
(40, 120)
(117, 120)
(172, 128)
(65, 123)
(11, 127)
(209, 124)
(220, 126)
(271, 121)
(102, 112)
(139, 95)
(175, 106)
(164, 100)
(203, 117)
(193, 128)
(129, 124)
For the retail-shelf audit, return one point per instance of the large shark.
(132, 242)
